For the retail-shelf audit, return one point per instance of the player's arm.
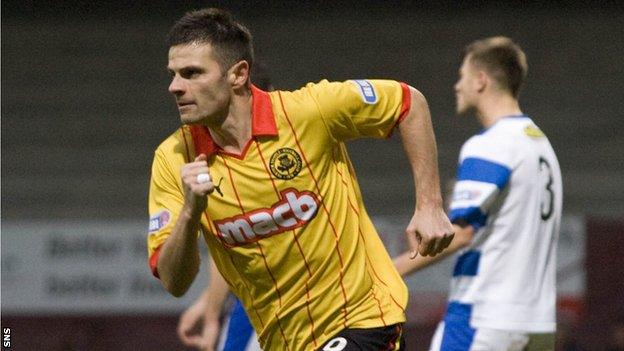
(217, 293)
(205, 312)
(192, 319)
(429, 230)
(406, 265)
(178, 261)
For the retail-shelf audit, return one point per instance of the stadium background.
(84, 104)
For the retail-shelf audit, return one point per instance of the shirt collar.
(508, 117)
(262, 124)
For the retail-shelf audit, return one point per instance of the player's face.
(466, 88)
(198, 84)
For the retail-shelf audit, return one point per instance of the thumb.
(201, 157)
(193, 341)
(414, 244)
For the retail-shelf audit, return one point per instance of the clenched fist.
(197, 183)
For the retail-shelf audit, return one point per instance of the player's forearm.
(405, 265)
(179, 260)
(420, 147)
(216, 292)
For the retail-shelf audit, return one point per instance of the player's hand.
(190, 325)
(210, 334)
(429, 232)
(197, 183)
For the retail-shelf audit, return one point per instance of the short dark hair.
(503, 59)
(232, 41)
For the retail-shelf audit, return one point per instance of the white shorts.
(484, 339)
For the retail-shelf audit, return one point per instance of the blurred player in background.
(200, 325)
(266, 178)
(506, 210)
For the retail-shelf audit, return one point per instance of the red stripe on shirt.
(282, 332)
(298, 246)
(186, 146)
(267, 170)
(370, 264)
(266, 264)
(322, 200)
(247, 288)
(240, 204)
(350, 166)
(379, 306)
(241, 207)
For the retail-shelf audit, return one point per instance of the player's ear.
(481, 81)
(238, 74)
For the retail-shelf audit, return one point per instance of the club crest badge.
(285, 163)
(533, 131)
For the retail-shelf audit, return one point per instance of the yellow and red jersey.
(287, 228)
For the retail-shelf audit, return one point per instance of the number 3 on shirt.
(547, 203)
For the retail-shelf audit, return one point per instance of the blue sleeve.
(239, 331)
(479, 181)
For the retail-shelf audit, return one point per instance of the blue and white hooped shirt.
(509, 189)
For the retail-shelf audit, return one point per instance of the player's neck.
(233, 134)
(495, 107)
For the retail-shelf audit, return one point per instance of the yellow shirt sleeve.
(166, 193)
(357, 108)
(165, 201)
